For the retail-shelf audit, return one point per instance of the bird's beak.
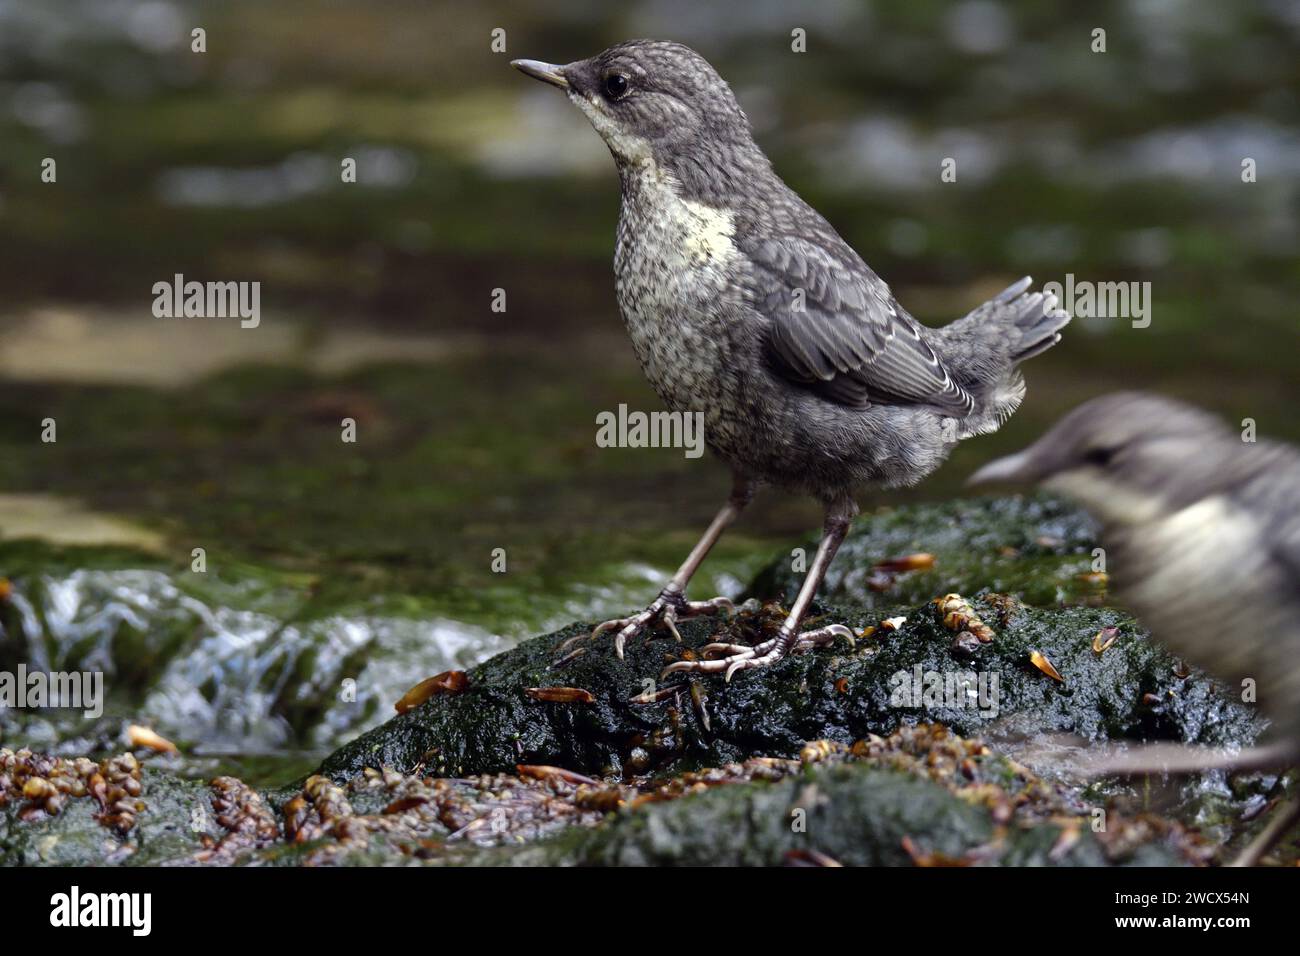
(1019, 467)
(546, 72)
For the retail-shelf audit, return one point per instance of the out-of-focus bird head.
(652, 101)
(1129, 457)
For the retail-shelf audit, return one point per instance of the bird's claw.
(711, 651)
(667, 609)
(741, 658)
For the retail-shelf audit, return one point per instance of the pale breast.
(1179, 570)
(671, 266)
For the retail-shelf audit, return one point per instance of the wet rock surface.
(922, 796)
(114, 812)
(1036, 546)
(909, 670)
(547, 756)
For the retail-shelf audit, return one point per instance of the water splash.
(222, 678)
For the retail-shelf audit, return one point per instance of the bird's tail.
(989, 344)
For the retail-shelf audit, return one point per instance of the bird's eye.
(615, 86)
(1100, 455)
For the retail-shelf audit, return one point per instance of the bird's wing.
(836, 327)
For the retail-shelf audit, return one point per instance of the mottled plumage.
(744, 304)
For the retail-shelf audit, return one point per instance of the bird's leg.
(671, 605)
(1284, 818)
(839, 516)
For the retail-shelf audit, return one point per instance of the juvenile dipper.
(745, 305)
(1202, 538)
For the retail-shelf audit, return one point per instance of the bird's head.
(653, 101)
(1127, 457)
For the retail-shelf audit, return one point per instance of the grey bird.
(1201, 532)
(745, 305)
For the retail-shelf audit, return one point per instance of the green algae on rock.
(921, 797)
(1037, 546)
(61, 812)
(902, 675)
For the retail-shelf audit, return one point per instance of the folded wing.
(836, 328)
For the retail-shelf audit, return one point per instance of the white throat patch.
(705, 232)
(1109, 500)
(632, 149)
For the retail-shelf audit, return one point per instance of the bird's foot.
(668, 608)
(740, 657)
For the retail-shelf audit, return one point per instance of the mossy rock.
(1131, 691)
(1038, 547)
(165, 832)
(853, 815)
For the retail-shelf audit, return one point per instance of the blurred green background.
(476, 428)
